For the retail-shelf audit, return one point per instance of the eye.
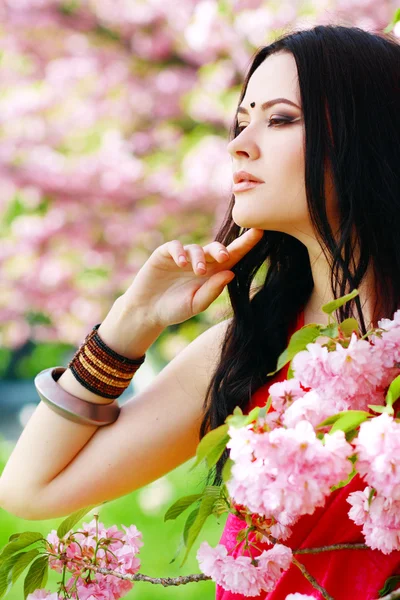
(271, 121)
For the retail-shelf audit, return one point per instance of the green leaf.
(330, 420)
(381, 409)
(348, 326)
(227, 470)
(211, 444)
(180, 505)
(216, 453)
(330, 307)
(344, 482)
(236, 420)
(24, 559)
(189, 522)
(331, 330)
(241, 535)
(180, 547)
(350, 435)
(14, 536)
(253, 415)
(350, 419)
(13, 567)
(37, 576)
(298, 341)
(6, 574)
(393, 392)
(72, 520)
(220, 507)
(211, 495)
(22, 541)
(267, 406)
(391, 582)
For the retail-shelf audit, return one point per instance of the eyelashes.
(278, 120)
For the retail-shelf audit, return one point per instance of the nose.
(243, 145)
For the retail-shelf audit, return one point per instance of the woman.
(324, 218)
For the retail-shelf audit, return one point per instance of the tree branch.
(165, 581)
(333, 547)
(312, 580)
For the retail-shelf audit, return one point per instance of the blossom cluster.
(286, 463)
(240, 575)
(377, 507)
(111, 548)
(327, 382)
(287, 472)
(81, 118)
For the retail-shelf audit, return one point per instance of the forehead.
(275, 77)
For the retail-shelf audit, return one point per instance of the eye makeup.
(280, 120)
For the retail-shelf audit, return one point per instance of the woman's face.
(272, 150)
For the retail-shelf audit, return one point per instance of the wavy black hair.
(349, 82)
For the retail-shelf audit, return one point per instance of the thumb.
(210, 290)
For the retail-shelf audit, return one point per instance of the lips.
(244, 186)
(245, 176)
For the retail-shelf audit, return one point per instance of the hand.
(172, 286)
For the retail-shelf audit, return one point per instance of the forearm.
(49, 442)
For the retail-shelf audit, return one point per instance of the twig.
(312, 580)
(165, 581)
(302, 568)
(273, 540)
(333, 547)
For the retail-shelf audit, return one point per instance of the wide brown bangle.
(69, 406)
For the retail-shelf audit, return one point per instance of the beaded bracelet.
(100, 369)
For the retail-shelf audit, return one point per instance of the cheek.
(280, 204)
(288, 182)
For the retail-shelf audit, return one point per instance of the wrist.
(129, 329)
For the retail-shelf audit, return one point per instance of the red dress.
(345, 574)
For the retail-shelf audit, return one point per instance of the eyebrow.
(266, 105)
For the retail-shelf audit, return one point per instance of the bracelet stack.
(100, 369)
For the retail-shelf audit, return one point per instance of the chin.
(243, 220)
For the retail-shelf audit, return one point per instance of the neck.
(322, 292)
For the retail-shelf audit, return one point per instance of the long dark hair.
(349, 82)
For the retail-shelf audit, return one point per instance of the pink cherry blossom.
(211, 559)
(272, 562)
(310, 407)
(283, 393)
(42, 595)
(378, 456)
(311, 367)
(290, 471)
(241, 575)
(379, 517)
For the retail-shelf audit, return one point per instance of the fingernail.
(201, 265)
(223, 252)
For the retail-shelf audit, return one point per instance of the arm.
(58, 466)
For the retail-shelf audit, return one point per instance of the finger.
(197, 258)
(177, 252)
(210, 290)
(242, 245)
(215, 251)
